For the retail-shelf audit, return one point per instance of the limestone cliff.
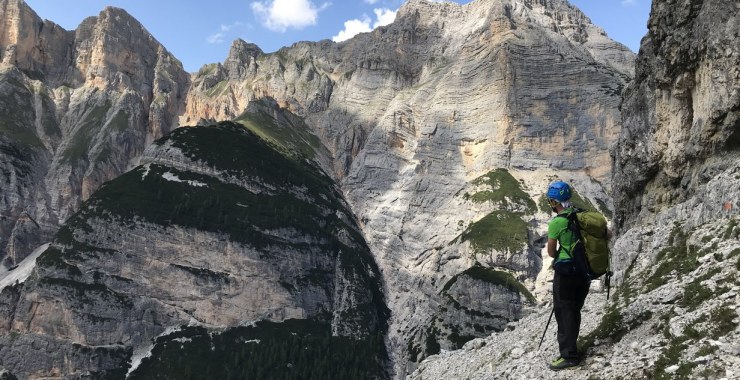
(676, 185)
(79, 108)
(441, 130)
(681, 129)
(420, 112)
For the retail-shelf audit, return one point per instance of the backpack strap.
(573, 227)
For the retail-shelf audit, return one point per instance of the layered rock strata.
(79, 108)
(414, 121)
(415, 112)
(676, 186)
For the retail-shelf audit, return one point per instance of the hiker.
(570, 286)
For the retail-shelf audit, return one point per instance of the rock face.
(540, 68)
(684, 108)
(441, 131)
(196, 235)
(418, 113)
(676, 186)
(79, 108)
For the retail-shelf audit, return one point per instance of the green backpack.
(591, 250)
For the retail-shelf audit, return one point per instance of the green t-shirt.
(558, 229)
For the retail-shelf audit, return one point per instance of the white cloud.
(218, 37)
(371, 2)
(383, 16)
(215, 38)
(629, 2)
(279, 15)
(353, 28)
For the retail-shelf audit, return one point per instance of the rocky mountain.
(438, 135)
(216, 228)
(676, 185)
(419, 117)
(78, 109)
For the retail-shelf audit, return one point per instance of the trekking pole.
(546, 326)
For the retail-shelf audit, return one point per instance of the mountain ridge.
(433, 130)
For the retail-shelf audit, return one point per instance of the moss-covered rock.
(500, 230)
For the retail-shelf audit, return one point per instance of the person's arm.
(609, 234)
(552, 247)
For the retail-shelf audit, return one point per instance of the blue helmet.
(559, 191)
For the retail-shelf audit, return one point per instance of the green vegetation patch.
(232, 148)
(504, 189)
(116, 357)
(218, 89)
(291, 136)
(293, 349)
(207, 69)
(613, 326)
(695, 293)
(87, 293)
(54, 258)
(457, 340)
(431, 345)
(627, 289)
(543, 205)
(678, 258)
(730, 230)
(204, 202)
(210, 205)
(500, 230)
(492, 276)
(721, 321)
(734, 253)
(671, 356)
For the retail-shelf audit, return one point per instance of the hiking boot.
(562, 363)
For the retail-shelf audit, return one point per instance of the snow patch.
(174, 178)
(252, 341)
(142, 352)
(24, 269)
(146, 171)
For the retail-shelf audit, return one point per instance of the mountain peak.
(119, 19)
(240, 47)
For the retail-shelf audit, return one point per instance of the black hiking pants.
(569, 293)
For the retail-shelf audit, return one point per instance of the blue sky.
(200, 32)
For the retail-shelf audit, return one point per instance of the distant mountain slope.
(78, 107)
(216, 229)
